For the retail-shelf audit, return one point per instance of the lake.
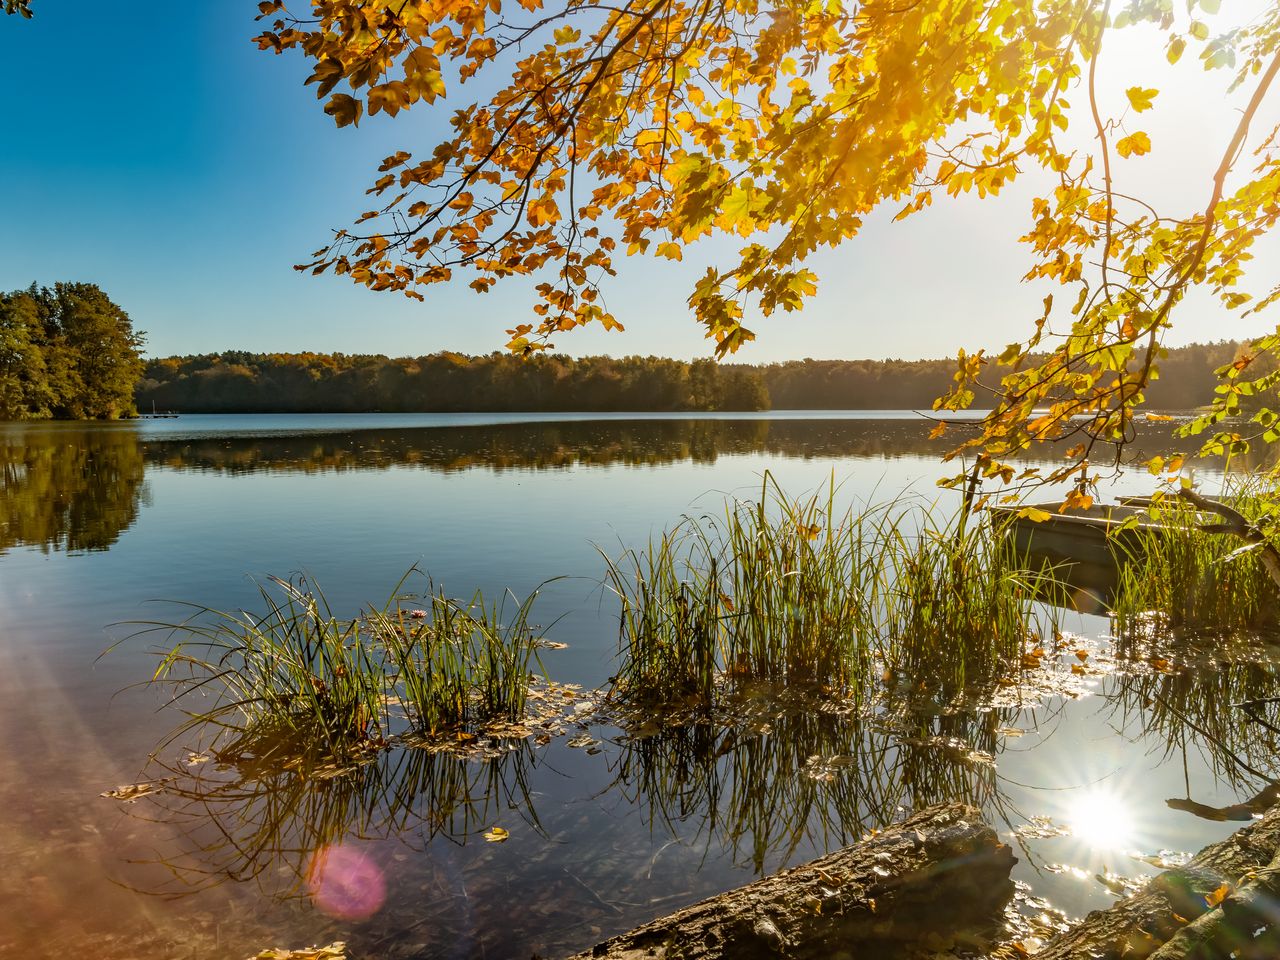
(106, 525)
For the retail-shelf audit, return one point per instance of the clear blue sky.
(162, 156)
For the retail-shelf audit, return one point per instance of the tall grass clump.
(458, 662)
(763, 592)
(298, 680)
(959, 601)
(1179, 576)
(794, 591)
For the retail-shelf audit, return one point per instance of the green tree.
(25, 390)
(67, 352)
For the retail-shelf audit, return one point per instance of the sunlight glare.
(1101, 819)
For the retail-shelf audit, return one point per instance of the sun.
(1101, 819)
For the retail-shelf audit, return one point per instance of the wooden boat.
(1086, 548)
(1091, 535)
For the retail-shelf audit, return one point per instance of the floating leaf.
(496, 835)
(334, 951)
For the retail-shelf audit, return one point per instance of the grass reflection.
(780, 778)
(247, 823)
(1197, 711)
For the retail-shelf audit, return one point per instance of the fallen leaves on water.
(1215, 897)
(496, 835)
(334, 951)
(129, 792)
(1082, 655)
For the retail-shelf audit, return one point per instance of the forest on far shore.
(240, 382)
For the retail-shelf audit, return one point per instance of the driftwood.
(1220, 894)
(940, 871)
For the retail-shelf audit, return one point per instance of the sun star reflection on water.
(1102, 820)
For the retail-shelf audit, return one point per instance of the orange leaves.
(344, 109)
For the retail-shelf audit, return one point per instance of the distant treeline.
(239, 382)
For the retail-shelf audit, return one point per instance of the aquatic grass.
(1179, 576)
(458, 662)
(298, 680)
(959, 601)
(293, 678)
(794, 591)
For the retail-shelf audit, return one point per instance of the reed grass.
(297, 679)
(795, 591)
(458, 663)
(1180, 577)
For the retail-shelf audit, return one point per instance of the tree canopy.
(67, 352)
(644, 126)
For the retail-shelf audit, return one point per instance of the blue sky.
(168, 160)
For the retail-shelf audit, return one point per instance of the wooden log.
(940, 871)
(1135, 928)
(1245, 924)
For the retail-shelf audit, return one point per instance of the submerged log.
(1226, 892)
(939, 872)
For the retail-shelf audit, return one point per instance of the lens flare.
(346, 883)
(1102, 820)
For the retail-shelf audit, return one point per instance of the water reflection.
(800, 779)
(72, 487)
(278, 827)
(1102, 819)
(1195, 710)
(69, 491)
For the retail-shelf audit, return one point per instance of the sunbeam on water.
(1101, 820)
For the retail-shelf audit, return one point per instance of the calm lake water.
(101, 524)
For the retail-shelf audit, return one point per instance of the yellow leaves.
(542, 211)
(422, 74)
(1140, 98)
(496, 835)
(735, 211)
(344, 109)
(672, 251)
(1034, 514)
(1136, 144)
(334, 951)
(567, 35)
(388, 97)
(1076, 500)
